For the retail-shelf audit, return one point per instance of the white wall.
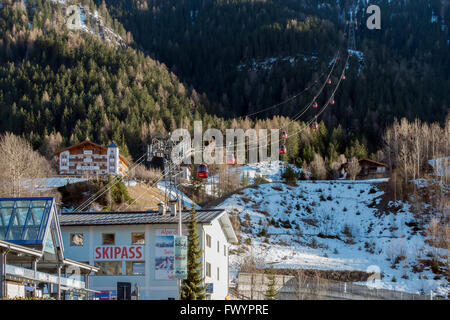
(149, 287)
(217, 260)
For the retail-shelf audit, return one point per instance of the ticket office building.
(134, 251)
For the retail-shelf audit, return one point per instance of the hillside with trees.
(59, 86)
(247, 55)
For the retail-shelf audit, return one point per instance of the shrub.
(262, 233)
(290, 176)
(260, 180)
(347, 231)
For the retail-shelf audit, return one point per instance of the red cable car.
(329, 81)
(230, 159)
(283, 135)
(343, 77)
(315, 126)
(332, 101)
(283, 149)
(202, 171)
(315, 105)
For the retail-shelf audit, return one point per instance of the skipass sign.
(122, 253)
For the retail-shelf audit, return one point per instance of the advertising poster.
(165, 254)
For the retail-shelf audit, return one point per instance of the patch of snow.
(332, 225)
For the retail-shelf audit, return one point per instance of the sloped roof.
(89, 142)
(142, 217)
(374, 162)
(148, 217)
(85, 142)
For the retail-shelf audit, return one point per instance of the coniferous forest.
(217, 61)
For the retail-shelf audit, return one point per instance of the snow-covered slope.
(335, 225)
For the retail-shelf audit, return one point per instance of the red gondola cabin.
(202, 171)
(230, 159)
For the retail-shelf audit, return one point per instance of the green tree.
(271, 292)
(193, 288)
(289, 175)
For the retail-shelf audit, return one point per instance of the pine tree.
(271, 292)
(193, 288)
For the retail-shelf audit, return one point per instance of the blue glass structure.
(26, 221)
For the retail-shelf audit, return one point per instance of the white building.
(90, 158)
(135, 250)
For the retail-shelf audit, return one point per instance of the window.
(208, 241)
(224, 250)
(218, 246)
(108, 238)
(218, 273)
(109, 268)
(208, 269)
(135, 268)
(76, 239)
(137, 238)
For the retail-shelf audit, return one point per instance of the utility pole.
(180, 233)
(162, 147)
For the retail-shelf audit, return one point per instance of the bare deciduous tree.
(318, 167)
(353, 168)
(22, 169)
(142, 173)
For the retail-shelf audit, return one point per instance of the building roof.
(88, 142)
(148, 217)
(139, 217)
(374, 162)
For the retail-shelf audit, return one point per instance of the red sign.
(119, 253)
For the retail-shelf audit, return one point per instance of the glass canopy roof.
(25, 220)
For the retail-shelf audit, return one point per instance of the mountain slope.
(208, 43)
(78, 84)
(339, 225)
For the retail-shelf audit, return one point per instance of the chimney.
(173, 207)
(162, 208)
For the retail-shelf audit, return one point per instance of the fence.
(252, 286)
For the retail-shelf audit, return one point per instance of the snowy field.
(187, 202)
(47, 184)
(441, 166)
(332, 225)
